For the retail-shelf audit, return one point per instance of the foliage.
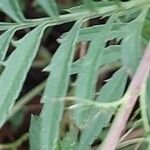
(91, 109)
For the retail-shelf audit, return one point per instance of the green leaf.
(88, 4)
(85, 85)
(56, 87)
(35, 125)
(76, 66)
(12, 9)
(87, 34)
(5, 39)
(146, 29)
(111, 91)
(132, 44)
(111, 54)
(16, 69)
(69, 142)
(50, 7)
(93, 129)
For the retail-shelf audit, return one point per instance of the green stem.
(27, 98)
(85, 102)
(130, 142)
(107, 10)
(15, 145)
(44, 59)
(144, 109)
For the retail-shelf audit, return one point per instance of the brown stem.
(112, 139)
(83, 45)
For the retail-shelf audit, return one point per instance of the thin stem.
(27, 98)
(15, 145)
(130, 142)
(107, 10)
(137, 133)
(84, 102)
(119, 123)
(144, 109)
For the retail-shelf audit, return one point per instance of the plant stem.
(101, 11)
(130, 142)
(28, 97)
(15, 145)
(119, 123)
(85, 102)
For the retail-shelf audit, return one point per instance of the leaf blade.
(5, 39)
(12, 9)
(21, 60)
(85, 85)
(102, 117)
(50, 7)
(132, 44)
(57, 83)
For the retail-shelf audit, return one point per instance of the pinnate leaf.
(56, 88)
(17, 66)
(88, 72)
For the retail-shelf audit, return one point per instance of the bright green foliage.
(50, 7)
(12, 9)
(17, 66)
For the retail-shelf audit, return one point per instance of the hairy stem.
(100, 11)
(112, 139)
(27, 98)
